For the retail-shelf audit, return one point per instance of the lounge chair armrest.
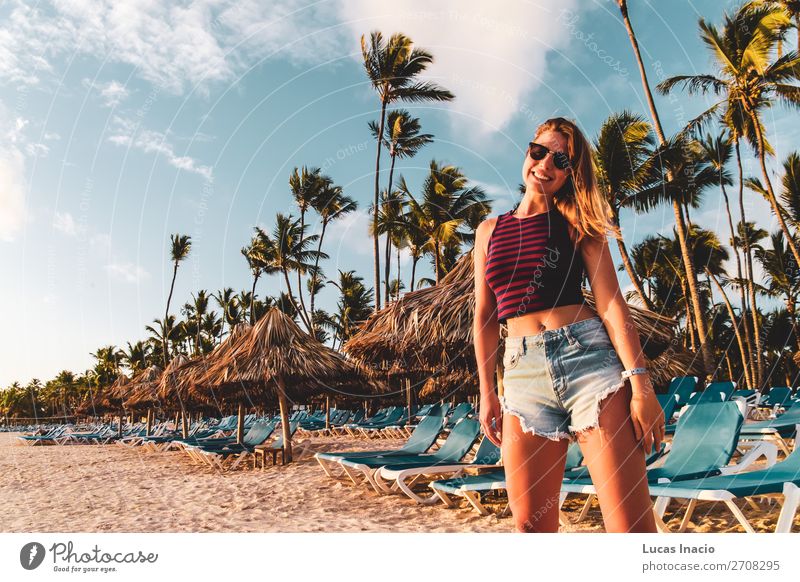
(762, 448)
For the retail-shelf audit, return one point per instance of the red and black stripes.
(532, 264)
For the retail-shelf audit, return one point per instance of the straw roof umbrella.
(166, 386)
(107, 398)
(142, 390)
(431, 329)
(278, 359)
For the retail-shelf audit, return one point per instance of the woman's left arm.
(612, 308)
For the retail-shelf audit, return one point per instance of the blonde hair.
(580, 200)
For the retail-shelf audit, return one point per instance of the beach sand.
(93, 488)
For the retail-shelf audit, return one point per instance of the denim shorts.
(554, 381)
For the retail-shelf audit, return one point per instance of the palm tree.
(353, 306)
(401, 137)
(389, 224)
(742, 49)
(678, 176)
(743, 349)
(305, 186)
(792, 9)
(260, 256)
(416, 242)
(200, 304)
(680, 226)
(623, 152)
(137, 357)
(211, 326)
(403, 140)
(107, 362)
(181, 244)
(162, 333)
(226, 299)
(782, 275)
(717, 151)
(331, 204)
(446, 204)
(289, 251)
(393, 67)
(790, 192)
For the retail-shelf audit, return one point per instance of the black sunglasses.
(538, 152)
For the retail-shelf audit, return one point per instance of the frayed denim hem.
(530, 429)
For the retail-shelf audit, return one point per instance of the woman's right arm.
(486, 335)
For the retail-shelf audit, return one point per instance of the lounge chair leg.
(401, 484)
(349, 474)
(325, 467)
(688, 515)
(445, 498)
(475, 501)
(585, 509)
(661, 505)
(660, 525)
(740, 517)
(791, 500)
(752, 504)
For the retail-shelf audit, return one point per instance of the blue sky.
(124, 122)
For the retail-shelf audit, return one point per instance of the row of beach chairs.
(712, 457)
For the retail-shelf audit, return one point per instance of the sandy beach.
(115, 489)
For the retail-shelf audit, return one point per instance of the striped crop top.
(532, 264)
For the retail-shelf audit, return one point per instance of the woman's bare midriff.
(535, 323)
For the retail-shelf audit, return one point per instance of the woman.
(568, 372)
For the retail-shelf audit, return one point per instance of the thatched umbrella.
(142, 390)
(166, 385)
(431, 329)
(106, 399)
(278, 359)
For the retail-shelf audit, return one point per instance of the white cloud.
(127, 133)
(65, 223)
(489, 55)
(173, 44)
(127, 271)
(37, 150)
(51, 136)
(112, 93)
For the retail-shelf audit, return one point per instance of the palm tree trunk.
(413, 271)
(316, 262)
(387, 253)
(387, 269)
(376, 246)
(687, 260)
(637, 284)
(791, 303)
(436, 257)
(776, 207)
(289, 294)
(397, 295)
(253, 298)
(309, 323)
(728, 363)
(747, 378)
(689, 319)
(758, 368)
(287, 433)
(748, 362)
(166, 313)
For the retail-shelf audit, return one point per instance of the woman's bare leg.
(534, 467)
(616, 464)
